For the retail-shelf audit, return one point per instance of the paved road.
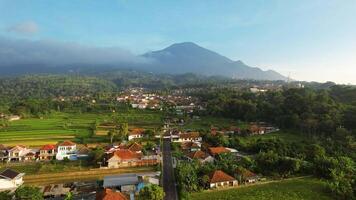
(169, 185)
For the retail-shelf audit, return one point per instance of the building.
(214, 151)
(188, 137)
(125, 182)
(10, 179)
(191, 146)
(17, 153)
(136, 133)
(109, 194)
(66, 149)
(247, 176)
(135, 147)
(123, 158)
(14, 118)
(48, 152)
(3, 153)
(201, 156)
(220, 179)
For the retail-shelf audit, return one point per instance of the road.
(169, 185)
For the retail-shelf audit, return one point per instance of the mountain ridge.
(188, 57)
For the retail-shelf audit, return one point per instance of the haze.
(308, 40)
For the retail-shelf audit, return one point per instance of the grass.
(59, 126)
(205, 122)
(284, 135)
(83, 175)
(296, 189)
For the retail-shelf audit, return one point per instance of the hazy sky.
(308, 39)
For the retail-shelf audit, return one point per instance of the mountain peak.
(188, 57)
(183, 45)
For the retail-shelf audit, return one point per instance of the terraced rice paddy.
(70, 126)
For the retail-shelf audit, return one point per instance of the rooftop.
(220, 176)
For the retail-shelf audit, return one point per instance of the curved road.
(169, 183)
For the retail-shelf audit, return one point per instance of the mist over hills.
(19, 57)
(188, 57)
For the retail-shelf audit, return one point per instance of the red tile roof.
(197, 155)
(135, 147)
(220, 176)
(189, 145)
(67, 143)
(48, 147)
(137, 131)
(126, 154)
(189, 135)
(218, 150)
(108, 194)
(246, 173)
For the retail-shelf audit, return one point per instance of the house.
(66, 149)
(214, 151)
(10, 179)
(247, 176)
(256, 130)
(201, 156)
(109, 194)
(136, 133)
(190, 136)
(191, 146)
(48, 152)
(17, 153)
(123, 158)
(3, 152)
(82, 151)
(125, 182)
(14, 118)
(31, 156)
(135, 147)
(219, 179)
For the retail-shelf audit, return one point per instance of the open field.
(296, 189)
(284, 135)
(73, 126)
(207, 121)
(93, 174)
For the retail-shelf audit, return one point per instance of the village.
(137, 147)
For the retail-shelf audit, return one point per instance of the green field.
(295, 189)
(207, 121)
(71, 126)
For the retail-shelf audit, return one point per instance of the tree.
(69, 196)
(28, 193)
(151, 192)
(5, 195)
(187, 177)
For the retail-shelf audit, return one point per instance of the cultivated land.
(295, 189)
(84, 175)
(61, 126)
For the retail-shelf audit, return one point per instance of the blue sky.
(308, 39)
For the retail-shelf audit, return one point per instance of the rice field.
(71, 126)
(296, 189)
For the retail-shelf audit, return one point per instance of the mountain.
(18, 57)
(188, 57)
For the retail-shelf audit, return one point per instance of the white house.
(136, 133)
(188, 137)
(10, 179)
(66, 149)
(220, 179)
(17, 153)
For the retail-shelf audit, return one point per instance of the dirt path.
(94, 174)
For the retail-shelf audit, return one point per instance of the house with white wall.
(66, 149)
(10, 179)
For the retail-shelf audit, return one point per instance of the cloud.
(53, 53)
(28, 28)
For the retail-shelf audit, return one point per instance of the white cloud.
(28, 28)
